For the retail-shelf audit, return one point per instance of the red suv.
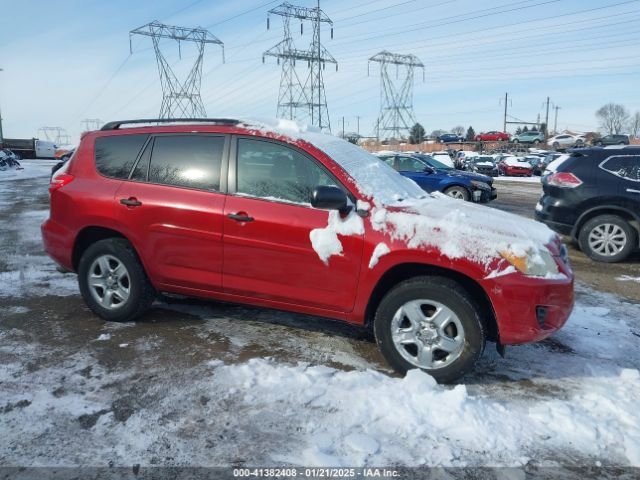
(492, 137)
(284, 217)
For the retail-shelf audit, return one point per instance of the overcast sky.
(65, 61)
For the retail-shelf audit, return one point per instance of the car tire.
(536, 142)
(516, 141)
(622, 143)
(591, 242)
(424, 299)
(598, 144)
(458, 192)
(113, 282)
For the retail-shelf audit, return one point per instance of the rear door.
(172, 207)
(267, 224)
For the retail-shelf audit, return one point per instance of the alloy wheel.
(427, 334)
(109, 282)
(607, 239)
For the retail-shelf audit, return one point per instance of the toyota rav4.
(279, 215)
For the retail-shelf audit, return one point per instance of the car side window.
(625, 166)
(409, 164)
(115, 155)
(276, 172)
(191, 161)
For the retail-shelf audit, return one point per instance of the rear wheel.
(113, 282)
(457, 192)
(607, 238)
(430, 323)
(599, 144)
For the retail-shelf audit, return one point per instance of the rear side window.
(116, 155)
(625, 166)
(187, 161)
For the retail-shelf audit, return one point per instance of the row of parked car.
(534, 137)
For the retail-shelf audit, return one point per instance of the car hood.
(460, 229)
(470, 175)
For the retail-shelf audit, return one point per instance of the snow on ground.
(31, 169)
(289, 395)
(628, 278)
(533, 179)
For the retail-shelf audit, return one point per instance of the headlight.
(535, 264)
(480, 185)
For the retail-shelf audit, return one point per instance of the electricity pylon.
(296, 100)
(396, 101)
(57, 135)
(91, 124)
(179, 99)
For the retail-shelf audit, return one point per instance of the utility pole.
(396, 101)
(555, 123)
(343, 126)
(506, 99)
(546, 121)
(179, 99)
(358, 120)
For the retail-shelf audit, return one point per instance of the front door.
(267, 223)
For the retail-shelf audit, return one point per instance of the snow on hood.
(403, 211)
(461, 229)
(516, 162)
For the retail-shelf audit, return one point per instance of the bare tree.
(613, 118)
(459, 130)
(634, 124)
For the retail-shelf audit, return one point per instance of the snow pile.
(380, 250)
(461, 229)
(367, 418)
(325, 240)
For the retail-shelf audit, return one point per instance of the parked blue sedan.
(432, 175)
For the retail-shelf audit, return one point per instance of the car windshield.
(483, 160)
(434, 163)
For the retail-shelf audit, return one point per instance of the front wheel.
(430, 323)
(457, 192)
(113, 282)
(607, 238)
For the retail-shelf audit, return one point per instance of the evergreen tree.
(416, 134)
(518, 130)
(471, 134)
(525, 129)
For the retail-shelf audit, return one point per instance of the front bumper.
(529, 309)
(485, 195)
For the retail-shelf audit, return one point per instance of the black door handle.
(240, 217)
(130, 202)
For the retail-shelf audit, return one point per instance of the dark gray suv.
(612, 140)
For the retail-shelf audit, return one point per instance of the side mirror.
(429, 169)
(330, 198)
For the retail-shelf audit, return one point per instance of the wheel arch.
(630, 216)
(88, 236)
(405, 271)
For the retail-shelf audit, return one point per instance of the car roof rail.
(115, 125)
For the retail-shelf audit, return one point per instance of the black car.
(612, 140)
(594, 196)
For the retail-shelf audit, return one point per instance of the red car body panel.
(188, 245)
(492, 137)
(515, 171)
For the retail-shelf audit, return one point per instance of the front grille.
(541, 315)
